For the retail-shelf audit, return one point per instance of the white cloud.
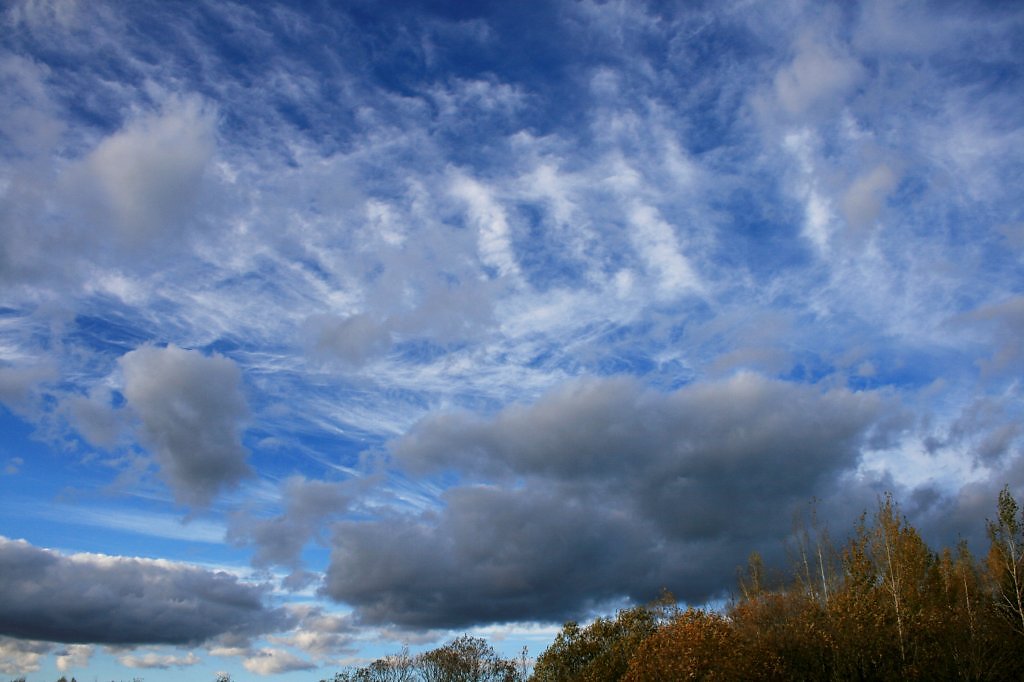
(152, 659)
(73, 657)
(816, 77)
(656, 242)
(45, 14)
(156, 525)
(489, 219)
(20, 656)
(274, 662)
(865, 198)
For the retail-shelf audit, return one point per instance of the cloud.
(148, 175)
(321, 634)
(160, 661)
(18, 656)
(275, 662)
(865, 198)
(95, 418)
(279, 541)
(353, 339)
(817, 77)
(601, 489)
(656, 243)
(75, 656)
(19, 385)
(488, 217)
(100, 599)
(1005, 322)
(191, 408)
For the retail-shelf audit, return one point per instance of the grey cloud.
(132, 199)
(18, 385)
(987, 428)
(604, 489)
(98, 599)
(603, 427)
(491, 555)
(191, 408)
(95, 418)
(1006, 322)
(275, 662)
(442, 309)
(353, 339)
(279, 540)
(864, 200)
(147, 176)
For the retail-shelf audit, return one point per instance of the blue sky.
(331, 327)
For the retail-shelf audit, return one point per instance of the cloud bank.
(601, 489)
(99, 599)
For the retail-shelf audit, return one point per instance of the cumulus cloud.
(322, 634)
(275, 662)
(95, 418)
(73, 657)
(191, 409)
(19, 385)
(147, 176)
(600, 489)
(19, 656)
(279, 541)
(100, 599)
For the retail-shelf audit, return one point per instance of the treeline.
(466, 658)
(880, 606)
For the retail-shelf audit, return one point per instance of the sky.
(332, 327)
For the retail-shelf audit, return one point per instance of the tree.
(465, 659)
(392, 668)
(1006, 559)
(600, 651)
(693, 645)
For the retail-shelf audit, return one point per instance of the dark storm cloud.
(191, 407)
(607, 489)
(99, 599)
